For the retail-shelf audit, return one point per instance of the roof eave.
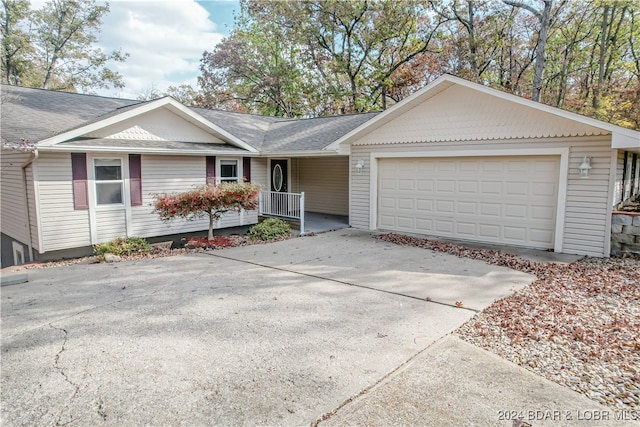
(173, 152)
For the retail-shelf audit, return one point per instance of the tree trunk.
(210, 235)
(545, 25)
(603, 50)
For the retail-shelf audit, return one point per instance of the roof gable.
(125, 125)
(160, 124)
(453, 109)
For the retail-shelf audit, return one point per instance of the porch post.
(302, 213)
(260, 207)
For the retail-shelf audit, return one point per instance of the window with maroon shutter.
(80, 184)
(246, 168)
(135, 179)
(211, 170)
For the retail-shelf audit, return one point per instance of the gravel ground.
(577, 325)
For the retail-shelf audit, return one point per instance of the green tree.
(57, 49)
(16, 46)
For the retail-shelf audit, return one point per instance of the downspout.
(26, 198)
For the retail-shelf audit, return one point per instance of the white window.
(109, 182)
(229, 171)
(18, 253)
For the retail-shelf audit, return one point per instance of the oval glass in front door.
(277, 178)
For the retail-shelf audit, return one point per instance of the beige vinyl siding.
(586, 209)
(63, 227)
(259, 172)
(587, 202)
(31, 197)
(13, 196)
(110, 223)
(325, 182)
(173, 174)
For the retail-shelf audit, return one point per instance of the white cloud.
(165, 41)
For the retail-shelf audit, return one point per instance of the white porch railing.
(286, 205)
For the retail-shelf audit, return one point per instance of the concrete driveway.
(282, 333)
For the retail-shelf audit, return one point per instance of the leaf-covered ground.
(577, 325)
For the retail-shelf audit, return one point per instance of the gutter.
(33, 158)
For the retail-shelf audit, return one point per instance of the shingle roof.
(37, 114)
(310, 134)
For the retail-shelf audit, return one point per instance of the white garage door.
(510, 200)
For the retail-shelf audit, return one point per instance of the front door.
(279, 178)
(279, 184)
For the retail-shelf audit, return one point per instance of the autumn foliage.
(211, 201)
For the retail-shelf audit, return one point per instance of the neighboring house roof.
(463, 110)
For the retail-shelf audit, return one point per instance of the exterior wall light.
(585, 167)
(359, 166)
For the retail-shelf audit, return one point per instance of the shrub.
(123, 246)
(211, 201)
(270, 229)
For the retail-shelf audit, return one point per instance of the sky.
(165, 40)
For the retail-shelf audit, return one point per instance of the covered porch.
(310, 191)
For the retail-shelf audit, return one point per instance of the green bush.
(270, 229)
(123, 246)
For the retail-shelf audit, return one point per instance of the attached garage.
(462, 161)
(510, 200)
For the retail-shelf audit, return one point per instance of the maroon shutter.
(79, 176)
(246, 168)
(211, 170)
(135, 179)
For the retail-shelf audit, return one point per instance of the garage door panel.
(405, 203)
(543, 212)
(466, 229)
(469, 186)
(489, 232)
(423, 205)
(405, 222)
(498, 199)
(424, 225)
(444, 226)
(515, 211)
(425, 185)
(445, 186)
(466, 208)
(491, 187)
(517, 234)
(444, 207)
(517, 188)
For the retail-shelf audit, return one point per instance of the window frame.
(97, 182)
(226, 161)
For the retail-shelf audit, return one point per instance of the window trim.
(18, 252)
(220, 161)
(97, 182)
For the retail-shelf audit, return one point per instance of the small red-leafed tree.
(211, 201)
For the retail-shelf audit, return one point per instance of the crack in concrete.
(107, 304)
(342, 282)
(56, 365)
